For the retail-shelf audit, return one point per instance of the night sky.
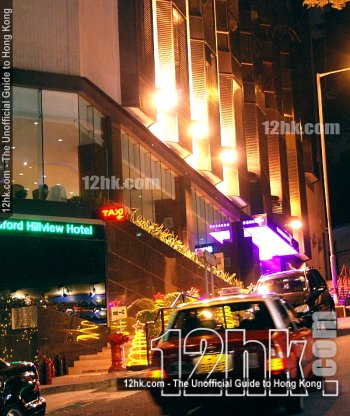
(332, 52)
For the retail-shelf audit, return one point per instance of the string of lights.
(11, 340)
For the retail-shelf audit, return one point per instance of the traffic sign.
(209, 258)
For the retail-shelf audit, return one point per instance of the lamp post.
(333, 263)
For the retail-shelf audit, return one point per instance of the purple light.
(220, 236)
(269, 243)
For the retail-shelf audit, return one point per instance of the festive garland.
(168, 237)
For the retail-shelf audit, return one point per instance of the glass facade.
(60, 141)
(52, 130)
(153, 190)
(205, 214)
(28, 169)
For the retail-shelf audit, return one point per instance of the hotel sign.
(34, 227)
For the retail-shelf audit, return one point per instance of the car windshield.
(285, 284)
(238, 315)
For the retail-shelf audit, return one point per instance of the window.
(289, 284)
(28, 170)
(61, 141)
(289, 318)
(154, 195)
(316, 280)
(204, 215)
(58, 138)
(195, 7)
(238, 315)
(221, 16)
(268, 81)
(90, 123)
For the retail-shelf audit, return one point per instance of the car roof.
(278, 275)
(222, 300)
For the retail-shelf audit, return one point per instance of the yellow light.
(207, 314)
(276, 365)
(190, 160)
(229, 156)
(156, 373)
(138, 350)
(295, 224)
(263, 290)
(87, 331)
(167, 100)
(199, 130)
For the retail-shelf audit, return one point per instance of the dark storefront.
(50, 267)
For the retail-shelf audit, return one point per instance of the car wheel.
(13, 409)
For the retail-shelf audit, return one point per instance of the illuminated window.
(61, 141)
(205, 214)
(58, 137)
(27, 141)
(154, 194)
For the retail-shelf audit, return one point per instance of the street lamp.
(333, 263)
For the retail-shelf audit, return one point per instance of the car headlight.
(302, 309)
(263, 290)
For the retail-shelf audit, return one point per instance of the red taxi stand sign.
(113, 213)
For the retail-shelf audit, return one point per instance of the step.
(87, 371)
(90, 363)
(81, 378)
(95, 363)
(99, 356)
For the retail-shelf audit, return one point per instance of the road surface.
(139, 403)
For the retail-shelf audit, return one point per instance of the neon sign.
(258, 220)
(221, 232)
(45, 227)
(113, 213)
(221, 225)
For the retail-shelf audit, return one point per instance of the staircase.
(92, 363)
(95, 363)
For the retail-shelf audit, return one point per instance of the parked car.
(194, 348)
(20, 390)
(305, 290)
